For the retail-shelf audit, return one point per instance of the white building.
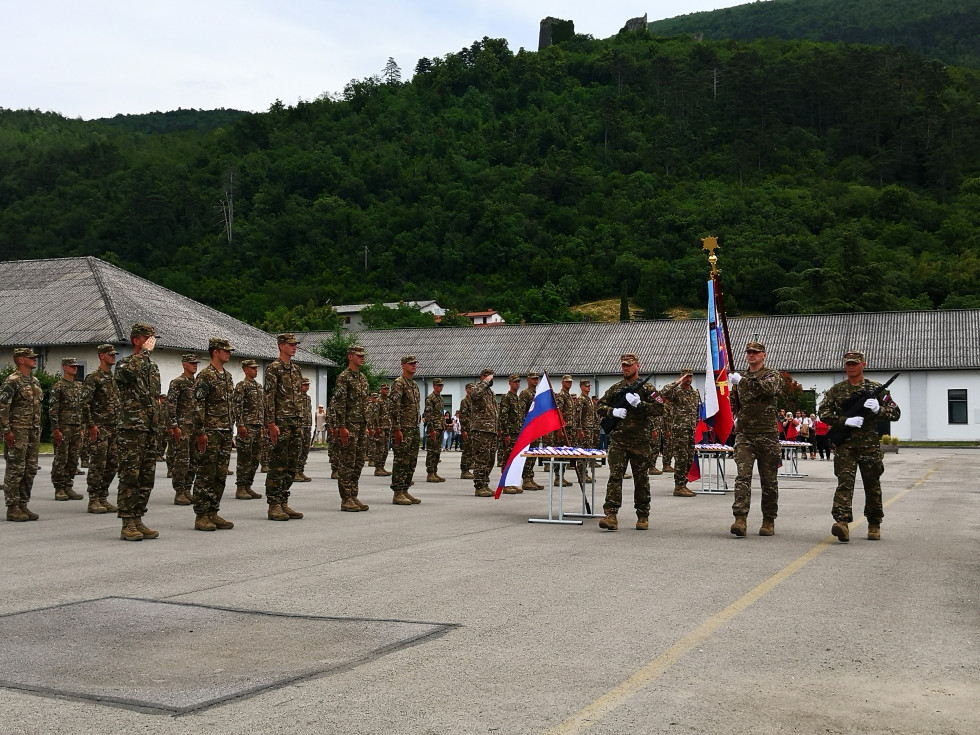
(351, 313)
(484, 318)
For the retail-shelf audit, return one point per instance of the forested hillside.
(948, 30)
(836, 178)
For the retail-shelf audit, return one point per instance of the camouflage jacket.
(371, 414)
(100, 400)
(283, 392)
(248, 403)
(385, 410)
(212, 400)
(307, 409)
(465, 413)
(524, 400)
(405, 401)
(350, 396)
(510, 419)
(566, 405)
(180, 403)
(584, 415)
(684, 404)
(20, 403)
(433, 414)
(483, 414)
(138, 380)
(65, 404)
(831, 412)
(636, 425)
(757, 395)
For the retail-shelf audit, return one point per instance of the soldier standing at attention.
(405, 402)
(284, 420)
(180, 416)
(102, 413)
(349, 406)
(525, 399)
(509, 422)
(248, 410)
(566, 403)
(307, 432)
(757, 438)
(585, 424)
(862, 447)
(213, 423)
(371, 428)
(65, 412)
(432, 418)
(382, 431)
(685, 402)
(333, 442)
(138, 379)
(483, 432)
(20, 425)
(465, 417)
(629, 443)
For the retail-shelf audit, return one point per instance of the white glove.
(633, 399)
(619, 413)
(734, 378)
(873, 404)
(855, 422)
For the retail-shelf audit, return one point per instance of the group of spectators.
(802, 428)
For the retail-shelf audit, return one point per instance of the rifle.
(854, 406)
(610, 423)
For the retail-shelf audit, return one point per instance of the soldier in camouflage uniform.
(757, 438)
(283, 388)
(432, 418)
(565, 401)
(161, 424)
(667, 436)
(382, 432)
(20, 426)
(465, 417)
(656, 443)
(525, 399)
(333, 442)
(180, 417)
(370, 427)
(629, 443)
(862, 447)
(483, 432)
(101, 413)
(65, 412)
(509, 423)
(405, 402)
(686, 403)
(138, 380)
(304, 451)
(585, 425)
(349, 405)
(248, 411)
(213, 422)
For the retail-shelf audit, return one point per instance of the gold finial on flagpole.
(711, 244)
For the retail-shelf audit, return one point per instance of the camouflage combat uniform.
(371, 428)
(283, 388)
(307, 432)
(685, 403)
(405, 402)
(65, 413)
(248, 411)
(180, 415)
(20, 413)
(525, 398)
(350, 403)
(138, 379)
(585, 419)
(101, 409)
(509, 422)
(757, 440)
(482, 434)
(333, 441)
(432, 418)
(213, 418)
(383, 429)
(565, 402)
(861, 450)
(465, 419)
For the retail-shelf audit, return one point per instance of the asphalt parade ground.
(459, 616)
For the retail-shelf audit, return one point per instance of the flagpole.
(711, 244)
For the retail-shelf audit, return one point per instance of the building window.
(956, 400)
(346, 320)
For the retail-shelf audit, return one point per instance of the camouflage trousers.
(763, 450)
(161, 442)
(86, 453)
(137, 471)
(304, 451)
(104, 462)
(212, 471)
(847, 461)
(683, 453)
(433, 453)
(283, 461)
(333, 453)
(18, 478)
(66, 459)
(184, 458)
(591, 441)
(482, 448)
(350, 461)
(381, 447)
(502, 450)
(634, 452)
(249, 449)
(465, 453)
(406, 459)
(171, 451)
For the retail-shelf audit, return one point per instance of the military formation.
(119, 417)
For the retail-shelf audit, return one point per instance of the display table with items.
(555, 460)
(791, 456)
(712, 459)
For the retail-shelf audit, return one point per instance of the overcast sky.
(103, 57)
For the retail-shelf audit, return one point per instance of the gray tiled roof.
(912, 340)
(86, 301)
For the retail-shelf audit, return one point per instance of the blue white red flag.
(717, 402)
(542, 418)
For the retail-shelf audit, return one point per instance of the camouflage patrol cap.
(687, 371)
(385, 386)
(514, 377)
(374, 395)
(533, 374)
(628, 358)
(755, 347)
(583, 381)
(142, 329)
(287, 338)
(190, 357)
(355, 350)
(409, 359)
(250, 364)
(306, 381)
(218, 343)
(853, 356)
(69, 362)
(437, 381)
(24, 352)
(485, 372)
(106, 350)
(565, 378)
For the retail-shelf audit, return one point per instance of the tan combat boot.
(874, 532)
(768, 527)
(129, 530)
(381, 472)
(334, 474)
(147, 532)
(667, 468)
(94, 506)
(219, 522)
(242, 493)
(415, 501)
(203, 523)
(349, 505)
(358, 503)
(432, 477)
(264, 468)
(438, 478)
(839, 529)
(655, 471)
(529, 485)
(60, 494)
(14, 513)
(31, 515)
(511, 490)
(290, 512)
(465, 475)
(182, 498)
(738, 527)
(400, 498)
(483, 492)
(642, 523)
(610, 523)
(72, 495)
(252, 493)
(170, 473)
(537, 485)
(276, 513)
(684, 492)
(104, 502)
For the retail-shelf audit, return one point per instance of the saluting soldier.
(432, 418)
(20, 425)
(304, 450)
(283, 388)
(101, 413)
(483, 431)
(248, 410)
(180, 416)
(382, 432)
(509, 423)
(685, 402)
(405, 402)
(65, 413)
(526, 398)
(350, 404)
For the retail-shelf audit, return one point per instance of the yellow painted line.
(617, 696)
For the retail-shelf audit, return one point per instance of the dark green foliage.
(335, 348)
(379, 316)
